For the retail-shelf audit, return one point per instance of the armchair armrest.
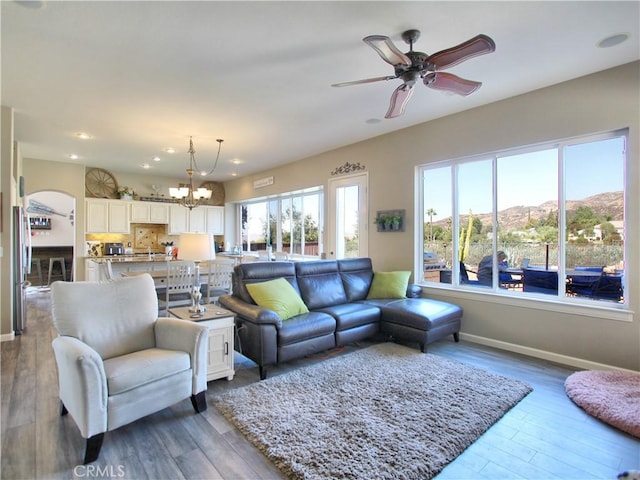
(252, 313)
(83, 384)
(186, 336)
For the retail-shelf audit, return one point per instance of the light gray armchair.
(118, 362)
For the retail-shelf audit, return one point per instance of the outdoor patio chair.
(540, 281)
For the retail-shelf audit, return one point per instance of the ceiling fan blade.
(451, 83)
(399, 99)
(478, 45)
(367, 80)
(387, 50)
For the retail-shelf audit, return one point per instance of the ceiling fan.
(412, 66)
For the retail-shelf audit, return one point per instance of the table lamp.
(197, 247)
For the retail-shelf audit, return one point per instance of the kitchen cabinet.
(215, 220)
(200, 219)
(149, 212)
(178, 220)
(197, 220)
(107, 216)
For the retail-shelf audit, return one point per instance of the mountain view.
(608, 205)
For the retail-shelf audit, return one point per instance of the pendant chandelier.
(188, 196)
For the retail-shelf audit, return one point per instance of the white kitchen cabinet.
(158, 213)
(200, 219)
(118, 217)
(97, 213)
(178, 220)
(215, 220)
(107, 216)
(91, 270)
(197, 220)
(149, 212)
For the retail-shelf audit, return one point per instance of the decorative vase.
(126, 196)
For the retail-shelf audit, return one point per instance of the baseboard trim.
(542, 354)
(7, 337)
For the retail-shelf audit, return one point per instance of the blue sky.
(530, 179)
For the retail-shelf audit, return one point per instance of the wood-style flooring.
(545, 436)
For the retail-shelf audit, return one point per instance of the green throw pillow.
(389, 285)
(278, 295)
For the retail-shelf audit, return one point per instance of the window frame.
(290, 198)
(557, 303)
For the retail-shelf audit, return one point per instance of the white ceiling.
(143, 76)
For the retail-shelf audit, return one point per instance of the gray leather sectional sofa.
(335, 292)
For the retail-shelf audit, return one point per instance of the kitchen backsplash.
(142, 236)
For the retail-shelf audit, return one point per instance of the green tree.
(547, 234)
(581, 219)
(431, 212)
(607, 230)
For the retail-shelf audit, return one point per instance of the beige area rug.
(611, 396)
(384, 412)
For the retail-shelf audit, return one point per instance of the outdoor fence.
(610, 256)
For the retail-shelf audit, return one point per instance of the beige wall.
(597, 103)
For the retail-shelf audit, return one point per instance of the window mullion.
(455, 230)
(562, 220)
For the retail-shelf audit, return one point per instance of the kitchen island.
(94, 266)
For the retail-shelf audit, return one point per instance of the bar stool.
(35, 261)
(60, 261)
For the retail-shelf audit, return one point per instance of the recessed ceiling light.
(372, 121)
(613, 40)
(169, 150)
(156, 159)
(146, 165)
(234, 174)
(73, 156)
(236, 161)
(83, 135)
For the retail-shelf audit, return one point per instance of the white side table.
(221, 329)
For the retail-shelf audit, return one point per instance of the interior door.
(348, 227)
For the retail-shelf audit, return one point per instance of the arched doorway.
(53, 235)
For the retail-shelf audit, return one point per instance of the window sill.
(538, 302)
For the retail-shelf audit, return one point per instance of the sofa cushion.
(306, 326)
(320, 284)
(389, 285)
(351, 315)
(421, 313)
(278, 295)
(254, 272)
(139, 368)
(356, 274)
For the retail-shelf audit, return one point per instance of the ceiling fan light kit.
(413, 65)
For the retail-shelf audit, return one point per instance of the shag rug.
(384, 412)
(611, 396)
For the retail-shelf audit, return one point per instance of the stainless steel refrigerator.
(21, 267)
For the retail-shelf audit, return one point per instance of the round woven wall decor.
(217, 193)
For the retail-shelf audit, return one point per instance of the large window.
(289, 223)
(545, 221)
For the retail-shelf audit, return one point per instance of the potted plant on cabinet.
(126, 193)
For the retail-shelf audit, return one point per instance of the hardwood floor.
(545, 436)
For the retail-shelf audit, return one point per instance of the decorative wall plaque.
(348, 168)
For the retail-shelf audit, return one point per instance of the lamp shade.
(196, 246)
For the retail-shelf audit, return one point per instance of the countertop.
(139, 258)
